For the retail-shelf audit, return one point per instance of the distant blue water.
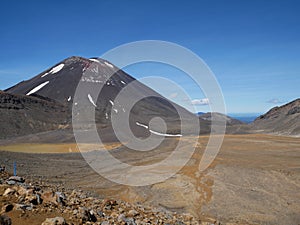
(246, 118)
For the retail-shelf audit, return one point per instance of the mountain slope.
(280, 120)
(59, 84)
(21, 115)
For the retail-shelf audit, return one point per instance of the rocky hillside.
(21, 115)
(36, 203)
(284, 120)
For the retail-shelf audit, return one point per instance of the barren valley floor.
(255, 178)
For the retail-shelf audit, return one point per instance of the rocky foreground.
(24, 202)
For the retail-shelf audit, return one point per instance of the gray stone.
(5, 220)
(11, 182)
(23, 207)
(100, 213)
(17, 179)
(86, 216)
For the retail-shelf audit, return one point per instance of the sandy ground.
(56, 148)
(255, 179)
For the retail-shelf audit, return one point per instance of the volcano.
(57, 85)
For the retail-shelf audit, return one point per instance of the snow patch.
(54, 70)
(108, 64)
(123, 82)
(45, 74)
(106, 115)
(165, 135)
(111, 102)
(69, 99)
(157, 133)
(37, 88)
(94, 60)
(91, 100)
(141, 125)
(116, 111)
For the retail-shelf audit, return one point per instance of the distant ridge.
(219, 116)
(284, 120)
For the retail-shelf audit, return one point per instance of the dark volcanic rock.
(5, 220)
(21, 115)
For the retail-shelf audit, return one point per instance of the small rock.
(49, 197)
(2, 168)
(7, 208)
(100, 213)
(21, 190)
(17, 179)
(60, 198)
(92, 215)
(128, 221)
(9, 191)
(132, 213)
(86, 216)
(54, 221)
(75, 211)
(39, 200)
(5, 220)
(11, 182)
(114, 215)
(23, 207)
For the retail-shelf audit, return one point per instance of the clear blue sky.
(253, 47)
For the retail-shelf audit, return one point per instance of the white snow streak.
(116, 111)
(54, 70)
(111, 102)
(141, 125)
(106, 115)
(123, 82)
(108, 64)
(37, 88)
(69, 99)
(94, 60)
(158, 133)
(166, 135)
(91, 100)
